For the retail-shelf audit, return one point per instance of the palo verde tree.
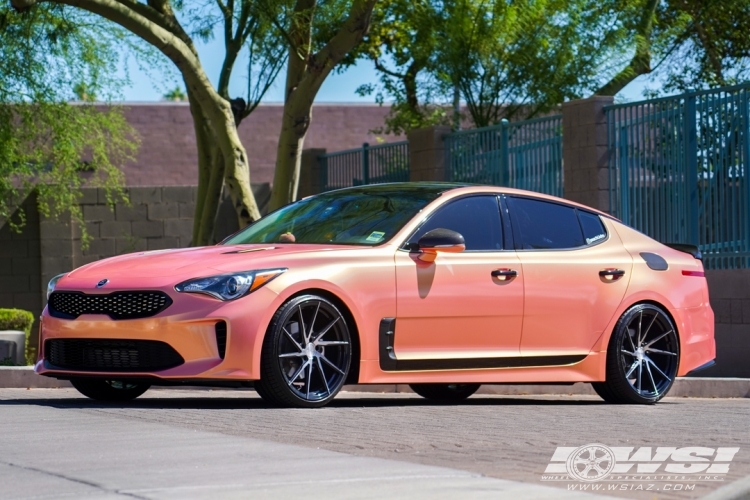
(171, 27)
(317, 37)
(48, 146)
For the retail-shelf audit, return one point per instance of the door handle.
(611, 274)
(504, 274)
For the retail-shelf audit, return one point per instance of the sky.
(151, 85)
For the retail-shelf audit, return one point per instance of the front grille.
(221, 338)
(117, 305)
(111, 355)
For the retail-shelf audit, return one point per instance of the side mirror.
(440, 240)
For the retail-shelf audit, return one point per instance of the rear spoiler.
(684, 247)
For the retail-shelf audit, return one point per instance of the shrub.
(18, 319)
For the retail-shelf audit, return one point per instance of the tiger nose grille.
(117, 305)
(111, 355)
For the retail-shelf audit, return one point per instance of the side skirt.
(390, 363)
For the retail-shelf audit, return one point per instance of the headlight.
(229, 286)
(52, 283)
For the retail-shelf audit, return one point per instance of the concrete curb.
(686, 387)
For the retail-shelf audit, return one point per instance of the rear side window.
(477, 218)
(593, 228)
(545, 226)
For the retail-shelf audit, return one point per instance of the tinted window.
(543, 225)
(593, 228)
(477, 218)
(359, 216)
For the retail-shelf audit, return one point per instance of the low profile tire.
(642, 357)
(109, 390)
(307, 353)
(445, 392)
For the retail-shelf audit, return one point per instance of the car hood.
(195, 262)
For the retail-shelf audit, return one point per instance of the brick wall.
(167, 155)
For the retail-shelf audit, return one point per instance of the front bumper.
(188, 326)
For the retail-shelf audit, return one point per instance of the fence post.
(745, 121)
(366, 163)
(427, 153)
(691, 168)
(586, 176)
(504, 153)
(313, 175)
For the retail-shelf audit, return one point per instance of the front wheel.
(109, 390)
(306, 353)
(642, 357)
(445, 392)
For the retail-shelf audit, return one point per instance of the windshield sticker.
(375, 236)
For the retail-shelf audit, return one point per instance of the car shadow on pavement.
(254, 402)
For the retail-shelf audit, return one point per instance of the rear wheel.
(306, 354)
(642, 357)
(109, 390)
(445, 392)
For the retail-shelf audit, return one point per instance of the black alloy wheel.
(642, 358)
(307, 353)
(445, 392)
(109, 390)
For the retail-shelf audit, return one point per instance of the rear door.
(575, 271)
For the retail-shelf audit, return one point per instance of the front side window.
(477, 218)
(543, 225)
(359, 216)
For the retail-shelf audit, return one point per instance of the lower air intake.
(111, 355)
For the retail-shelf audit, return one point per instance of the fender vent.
(221, 338)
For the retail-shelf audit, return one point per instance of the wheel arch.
(602, 344)
(353, 376)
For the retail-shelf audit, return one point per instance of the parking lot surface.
(225, 444)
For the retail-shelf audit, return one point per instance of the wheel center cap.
(639, 353)
(309, 350)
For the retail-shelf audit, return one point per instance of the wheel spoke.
(315, 316)
(628, 352)
(323, 375)
(332, 342)
(309, 378)
(657, 339)
(325, 330)
(302, 323)
(630, 338)
(328, 362)
(659, 351)
(296, 344)
(651, 376)
(645, 334)
(632, 368)
(640, 375)
(292, 355)
(650, 362)
(640, 329)
(297, 373)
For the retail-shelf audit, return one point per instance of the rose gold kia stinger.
(440, 286)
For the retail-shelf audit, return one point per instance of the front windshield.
(358, 216)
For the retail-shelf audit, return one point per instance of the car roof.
(457, 188)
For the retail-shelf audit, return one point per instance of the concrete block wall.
(157, 218)
(729, 293)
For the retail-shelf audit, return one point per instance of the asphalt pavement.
(229, 444)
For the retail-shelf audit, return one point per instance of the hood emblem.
(102, 283)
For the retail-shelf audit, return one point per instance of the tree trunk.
(289, 154)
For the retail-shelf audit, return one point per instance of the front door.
(565, 253)
(455, 312)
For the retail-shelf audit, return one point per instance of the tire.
(307, 353)
(643, 356)
(445, 392)
(109, 390)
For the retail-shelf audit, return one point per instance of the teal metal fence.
(366, 165)
(678, 171)
(524, 155)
